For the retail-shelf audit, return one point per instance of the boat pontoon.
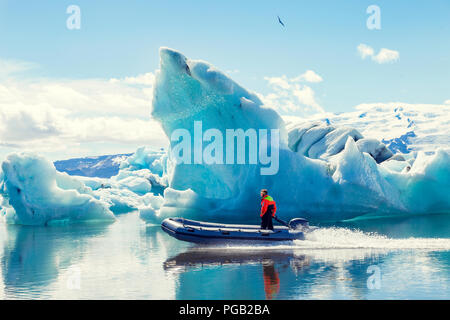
(208, 232)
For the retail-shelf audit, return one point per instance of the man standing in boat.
(268, 210)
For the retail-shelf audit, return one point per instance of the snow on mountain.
(101, 166)
(402, 127)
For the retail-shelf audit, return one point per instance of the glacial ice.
(375, 148)
(39, 195)
(327, 171)
(32, 192)
(402, 127)
(319, 140)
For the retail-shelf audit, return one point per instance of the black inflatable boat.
(207, 232)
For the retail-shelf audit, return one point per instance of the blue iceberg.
(39, 195)
(325, 172)
(318, 170)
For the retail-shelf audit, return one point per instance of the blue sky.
(120, 39)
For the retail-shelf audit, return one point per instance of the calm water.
(406, 258)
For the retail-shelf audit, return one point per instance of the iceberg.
(322, 170)
(375, 148)
(32, 192)
(323, 140)
(326, 172)
(402, 127)
(39, 195)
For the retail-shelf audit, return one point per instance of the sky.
(87, 91)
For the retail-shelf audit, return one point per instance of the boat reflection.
(204, 257)
(271, 279)
(272, 273)
(275, 265)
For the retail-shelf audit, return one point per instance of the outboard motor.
(299, 223)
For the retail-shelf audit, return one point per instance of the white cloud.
(306, 96)
(386, 55)
(143, 79)
(11, 67)
(309, 76)
(280, 82)
(78, 117)
(365, 51)
(289, 96)
(383, 56)
(447, 101)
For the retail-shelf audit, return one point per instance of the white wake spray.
(351, 239)
(344, 238)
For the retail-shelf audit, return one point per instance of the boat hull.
(213, 233)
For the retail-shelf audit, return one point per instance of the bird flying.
(279, 20)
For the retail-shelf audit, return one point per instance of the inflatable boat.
(207, 232)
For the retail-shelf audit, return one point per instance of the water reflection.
(271, 273)
(205, 256)
(270, 262)
(271, 279)
(34, 257)
(132, 260)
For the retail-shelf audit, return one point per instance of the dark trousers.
(266, 221)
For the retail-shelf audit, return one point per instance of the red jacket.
(268, 203)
